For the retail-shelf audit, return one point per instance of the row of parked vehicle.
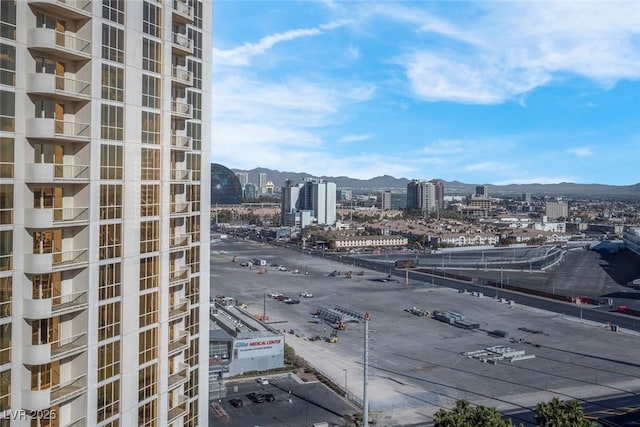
(254, 397)
(289, 300)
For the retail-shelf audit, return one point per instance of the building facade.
(243, 177)
(438, 189)
(105, 190)
(312, 202)
(555, 210)
(384, 200)
(262, 182)
(421, 198)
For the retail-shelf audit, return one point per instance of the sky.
(498, 92)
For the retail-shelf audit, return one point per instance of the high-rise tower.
(104, 272)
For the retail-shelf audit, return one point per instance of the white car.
(274, 294)
(306, 295)
(263, 381)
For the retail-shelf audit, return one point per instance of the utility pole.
(365, 397)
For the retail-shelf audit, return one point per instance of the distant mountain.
(453, 188)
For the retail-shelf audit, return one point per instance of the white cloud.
(356, 138)
(488, 166)
(241, 55)
(509, 49)
(580, 151)
(535, 180)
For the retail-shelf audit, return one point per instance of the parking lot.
(417, 362)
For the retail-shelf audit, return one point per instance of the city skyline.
(345, 88)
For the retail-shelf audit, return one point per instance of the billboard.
(259, 347)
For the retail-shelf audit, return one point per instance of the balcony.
(56, 217)
(181, 142)
(178, 209)
(182, 12)
(179, 309)
(65, 130)
(182, 45)
(47, 173)
(181, 109)
(40, 354)
(179, 242)
(180, 376)
(61, 45)
(56, 261)
(178, 342)
(181, 77)
(177, 408)
(64, 88)
(71, 9)
(45, 308)
(178, 275)
(180, 175)
(68, 390)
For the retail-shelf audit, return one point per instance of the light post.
(346, 390)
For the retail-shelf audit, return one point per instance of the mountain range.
(455, 188)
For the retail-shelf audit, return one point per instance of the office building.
(384, 200)
(262, 182)
(438, 191)
(312, 202)
(555, 210)
(243, 177)
(482, 191)
(421, 199)
(105, 190)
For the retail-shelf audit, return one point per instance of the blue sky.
(481, 92)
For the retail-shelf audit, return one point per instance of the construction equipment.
(333, 338)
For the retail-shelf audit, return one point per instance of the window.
(192, 225)
(148, 313)
(195, 99)
(148, 273)
(112, 83)
(151, 19)
(191, 354)
(109, 320)
(108, 400)
(149, 236)
(7, 65)
(194, 130)
(149, 200)
(110, 241)
(6, 287)
(112, 43)
(148, 414)
(193, 321)
(8, 19)
(113, 10)
(110, 162)
(150, 128)
(191, 388)
(150, 55)
(147, 345)
(5, 344)
(150, 164)
(147, 382)
(6, 250)
(109, 281)
(192, 290)
(110, 201)
(196, 68)
(150, 91)
(111, 125)
(193, 259)
(191, 419)
(6, 204)
(7, 111)
(196, 36)
(193, 196)
(193, 164)
(6, 157)
(108, 360)
(197, 14)
(5, 390)
(41, 377)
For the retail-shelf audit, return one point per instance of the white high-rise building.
(310, 202)
(243, 177)
(104, 179)
(421, 197)
(262, 182)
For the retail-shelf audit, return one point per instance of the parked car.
(236, 403)
(269, 397)
(279, 297)
(255, 397)
(292, 301)
(306, 294)
(262, 380)
(273, 294)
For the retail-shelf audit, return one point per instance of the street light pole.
(346, 390)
